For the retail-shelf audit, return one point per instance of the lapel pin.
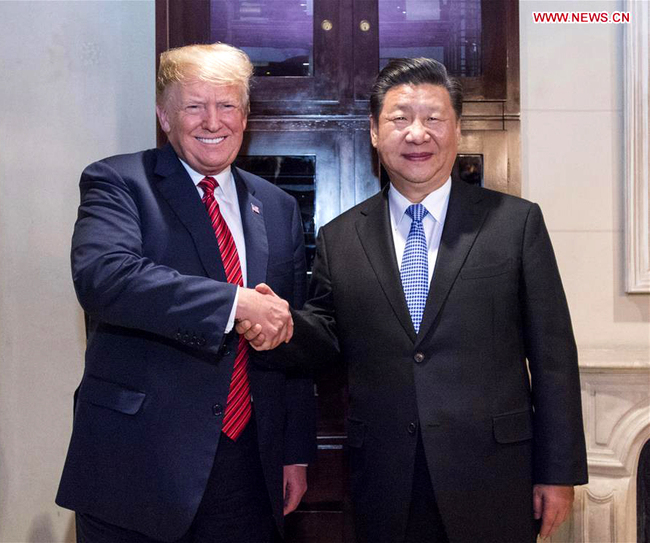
(255, 209)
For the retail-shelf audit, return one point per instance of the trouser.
(424, 523)
(235, 507)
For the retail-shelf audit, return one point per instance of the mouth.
(211, 141)
(418, 157)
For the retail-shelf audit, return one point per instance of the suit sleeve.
(117, 284)
(315, 342)
(560, 455)
(300, 424)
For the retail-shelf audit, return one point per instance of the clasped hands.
(263, 317)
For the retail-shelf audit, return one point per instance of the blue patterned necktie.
(415, 265)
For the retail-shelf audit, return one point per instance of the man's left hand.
(295, 486)
(552, 503)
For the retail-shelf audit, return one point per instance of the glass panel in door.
(277, 35)
(446, 30)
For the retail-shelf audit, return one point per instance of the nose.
(212, 120)
(417, 133)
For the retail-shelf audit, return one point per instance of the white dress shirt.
(436, 204)
(226, 196)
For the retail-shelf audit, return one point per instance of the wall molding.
(622, 359)
(637, 144)
(622, 406)
(599, 517)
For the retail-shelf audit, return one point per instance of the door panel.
(320, 112)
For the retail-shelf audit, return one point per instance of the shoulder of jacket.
(351, 215)
(128, 159)
(499, 200)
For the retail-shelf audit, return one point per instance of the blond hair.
(216, 63)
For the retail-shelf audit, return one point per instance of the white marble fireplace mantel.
(616, 408)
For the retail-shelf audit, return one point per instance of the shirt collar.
(224, 179)
(435, 203)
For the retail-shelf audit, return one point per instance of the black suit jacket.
(147, 271)
(495, 302)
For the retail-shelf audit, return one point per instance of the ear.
(163, 119)
(373, 132)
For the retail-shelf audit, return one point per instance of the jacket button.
(178, 336)
(217, 409)
(413, 426)
(186, 338)
(225, 350)
(419, 357)
(201, 342)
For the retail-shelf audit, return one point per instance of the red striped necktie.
(238, 404)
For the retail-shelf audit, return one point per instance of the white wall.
(76, 85)
(572, 162)
(572, 156)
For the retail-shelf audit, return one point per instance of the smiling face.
(417, 137)
(204, 123)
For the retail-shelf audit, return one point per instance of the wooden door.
(309, 132)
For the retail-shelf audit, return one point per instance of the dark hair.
(414, 71)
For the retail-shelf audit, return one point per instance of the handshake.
(263, 318)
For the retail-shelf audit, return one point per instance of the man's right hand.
(263, 317)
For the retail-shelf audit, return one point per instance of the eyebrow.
(191, 98)
(408, 107)
(402, 106)
(197, 100)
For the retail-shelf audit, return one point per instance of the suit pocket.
(356, 433)
(110, 395)
(513, 427)
(487, 271)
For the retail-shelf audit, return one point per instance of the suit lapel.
(464, 220)
(252, 218)
(377, 240)
(179, 191)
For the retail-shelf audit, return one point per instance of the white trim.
(637, 143)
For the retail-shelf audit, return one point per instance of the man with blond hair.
(167, 444)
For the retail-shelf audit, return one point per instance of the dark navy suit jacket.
(147, 272)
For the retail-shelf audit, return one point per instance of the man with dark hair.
(414, 71)
(445, 302)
